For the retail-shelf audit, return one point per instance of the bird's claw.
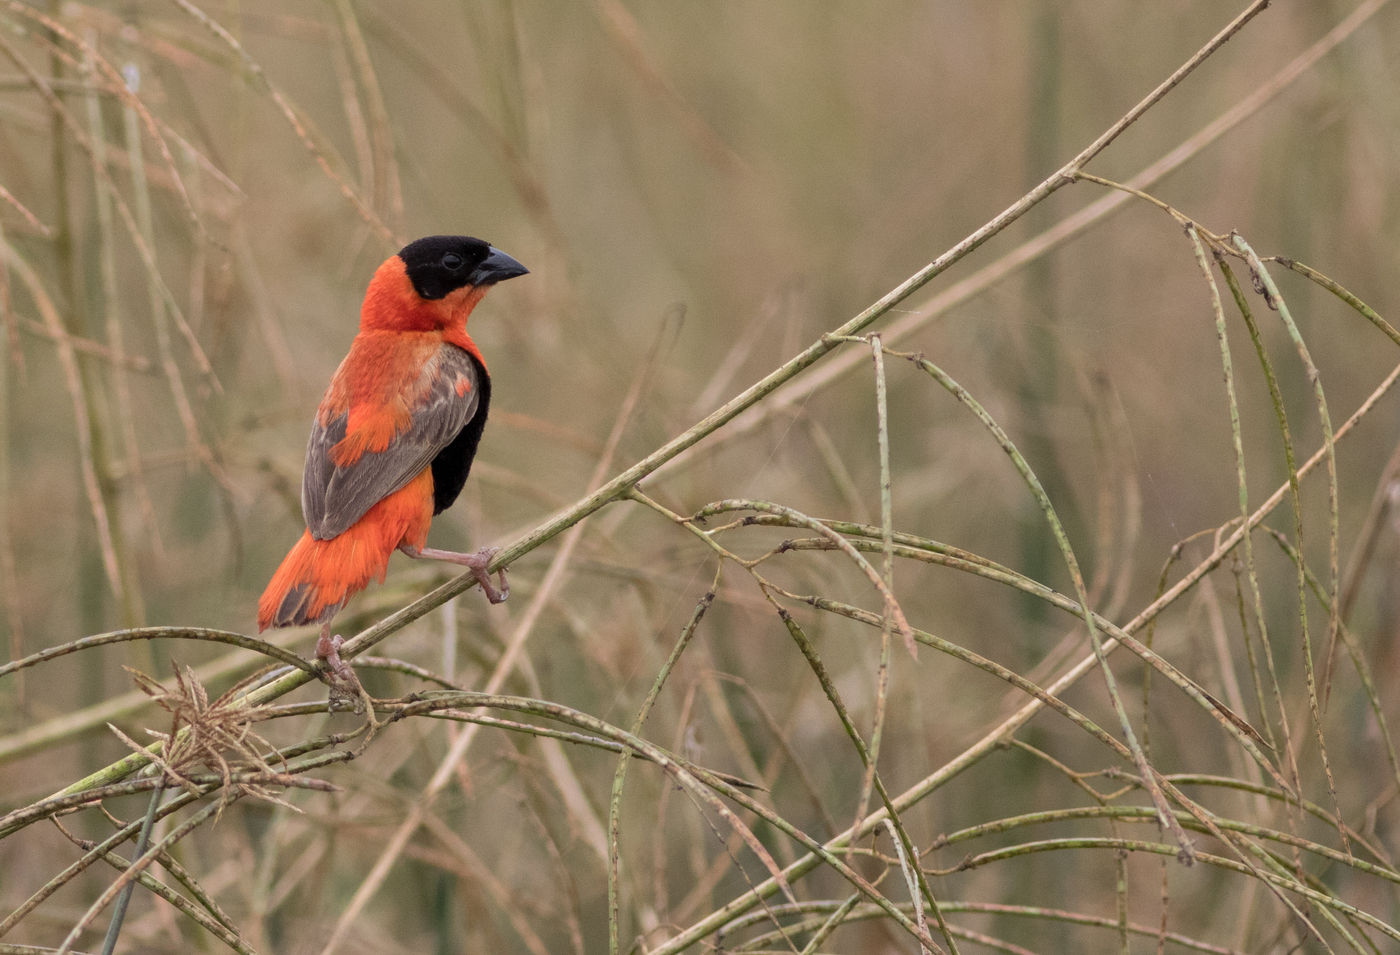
(344, 685)
(495, 593)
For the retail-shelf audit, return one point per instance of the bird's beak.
(496, 268)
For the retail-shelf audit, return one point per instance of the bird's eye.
(453, 261)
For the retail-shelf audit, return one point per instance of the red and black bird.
(394, 436)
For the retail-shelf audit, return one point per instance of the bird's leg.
(476, 563)
(345, 686)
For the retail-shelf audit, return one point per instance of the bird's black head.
(439, 264)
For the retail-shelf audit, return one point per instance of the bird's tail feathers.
(317, 577)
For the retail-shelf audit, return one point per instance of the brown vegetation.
(889, 572)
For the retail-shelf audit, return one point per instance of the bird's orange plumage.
(402, 399)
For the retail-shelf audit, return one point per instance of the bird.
(393, 438)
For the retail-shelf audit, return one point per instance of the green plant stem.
(1334, 575)
(114, 930)
(620, 775)
(1322, 900)
(901, 836)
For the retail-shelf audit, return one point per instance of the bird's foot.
(477, 563)
(345, 689)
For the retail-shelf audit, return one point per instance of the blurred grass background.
(700, 191)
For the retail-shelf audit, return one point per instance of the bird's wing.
(379, 426)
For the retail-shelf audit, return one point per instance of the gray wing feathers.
(333, 498)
